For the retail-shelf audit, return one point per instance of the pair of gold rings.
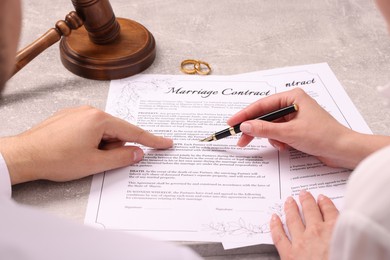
(195, 67)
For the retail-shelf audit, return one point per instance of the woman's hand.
(75, 143)
(311, 130)
(310, 239)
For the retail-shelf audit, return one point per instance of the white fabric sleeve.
(362, 230)
(5, 182)
(26, 233)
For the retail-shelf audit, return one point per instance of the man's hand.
(75, 143)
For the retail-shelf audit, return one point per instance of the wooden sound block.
(132, 52)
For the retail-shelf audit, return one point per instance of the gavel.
(95, 44)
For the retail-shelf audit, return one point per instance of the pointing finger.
(124, 131)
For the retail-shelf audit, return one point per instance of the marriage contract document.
(212, 191)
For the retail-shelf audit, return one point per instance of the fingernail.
(138, 155)
(320, 197)
(289, 200)
(246, 128)
(302, 193)
(274, 217)
(170, 142)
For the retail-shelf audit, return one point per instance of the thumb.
(119, 157)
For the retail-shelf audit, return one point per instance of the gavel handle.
(62, 28)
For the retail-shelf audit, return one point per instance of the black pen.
(236, 129)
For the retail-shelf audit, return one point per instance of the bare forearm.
(357, 146)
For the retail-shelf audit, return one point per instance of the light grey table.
(234, 37)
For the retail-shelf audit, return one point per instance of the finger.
(279, 237)
(328, 209)
(265, 105)
(116, 158)
(293, 218)
(148, 139)
(118, 128)
(310, 209)
(244, 140)
(270, 130)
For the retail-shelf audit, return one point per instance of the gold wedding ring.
(195, 67)
(202, 68)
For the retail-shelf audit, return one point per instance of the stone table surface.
(234, 37)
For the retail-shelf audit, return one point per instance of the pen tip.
(208, 139)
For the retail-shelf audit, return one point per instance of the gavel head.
(106, 47)
(99, 20)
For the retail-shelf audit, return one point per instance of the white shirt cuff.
(5, 181)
